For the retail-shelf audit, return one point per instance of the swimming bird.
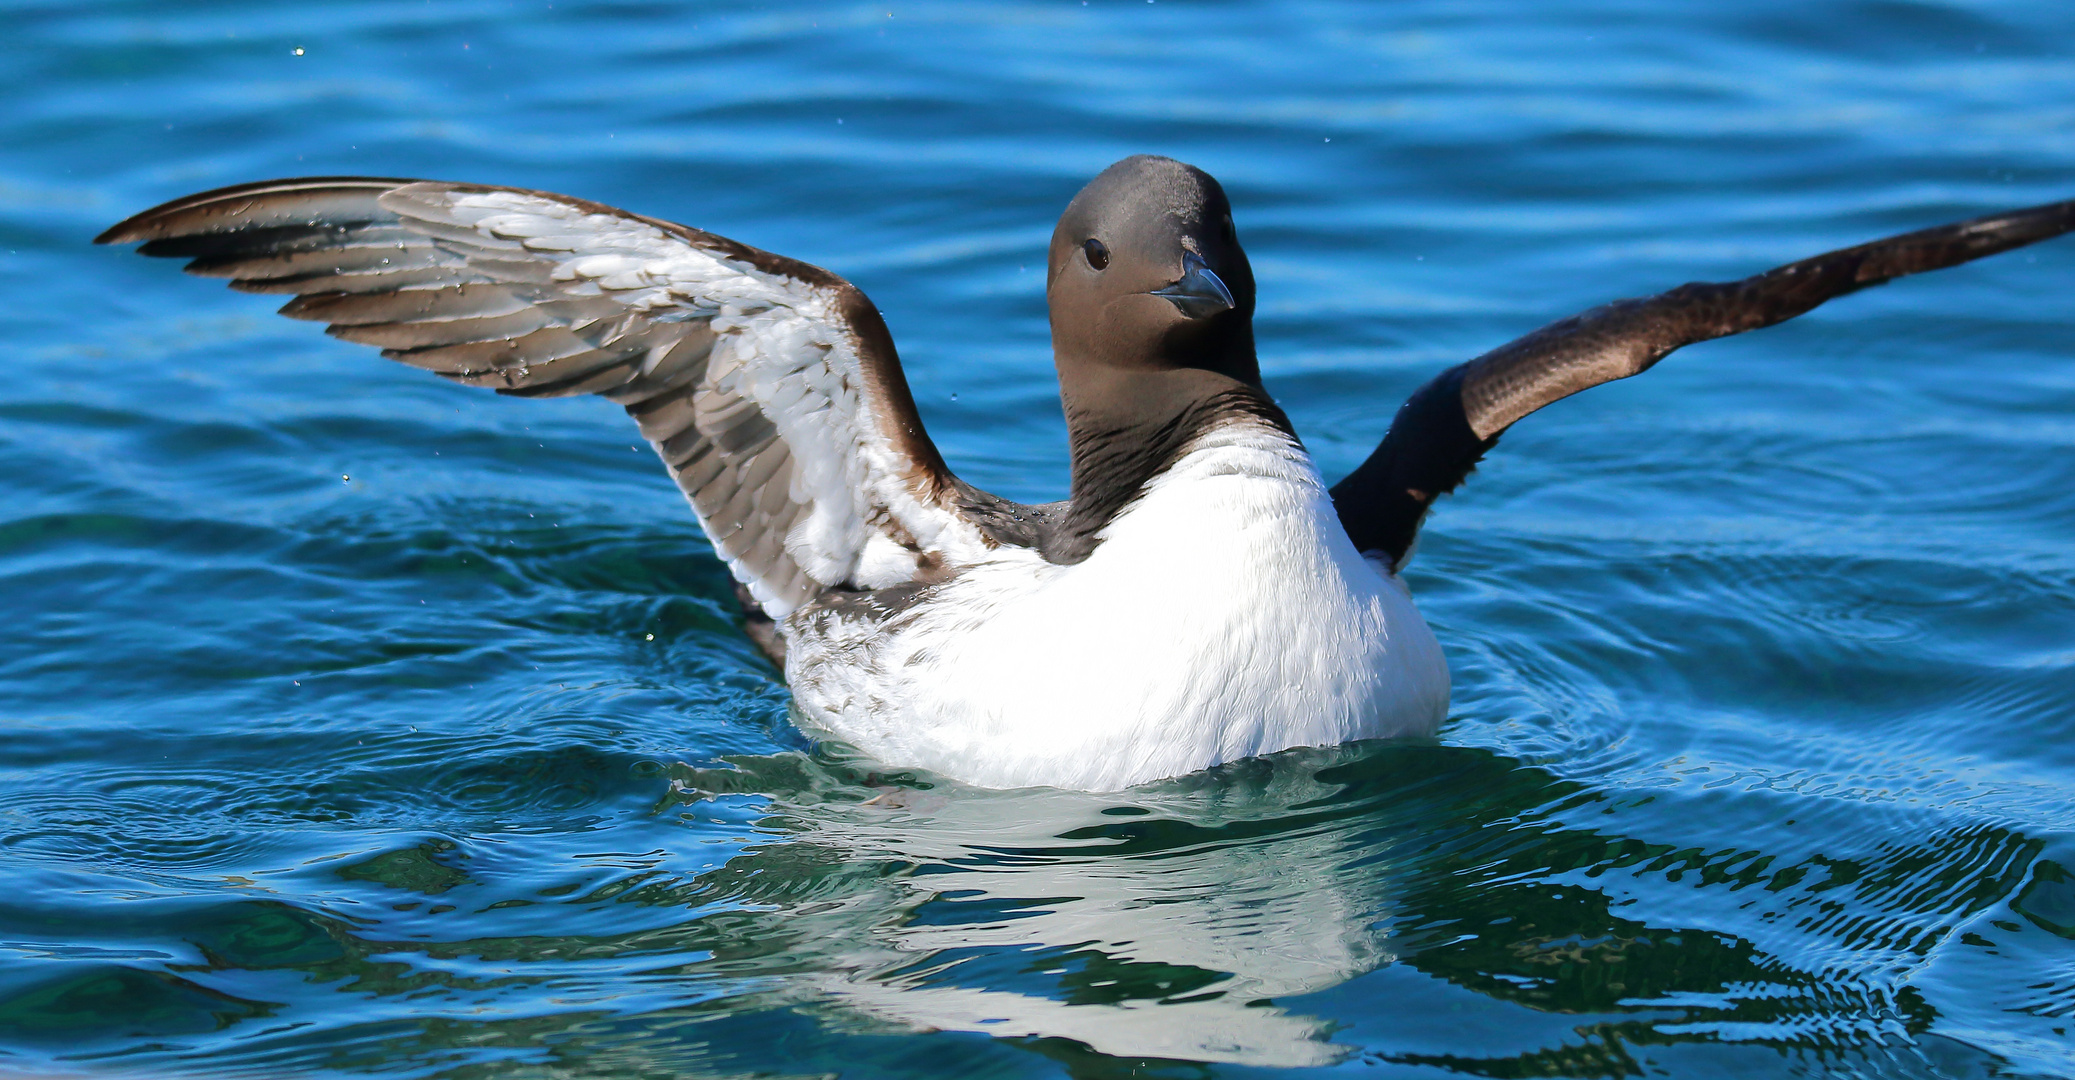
(1201, 596)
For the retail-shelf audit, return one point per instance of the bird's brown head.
(1146, 274)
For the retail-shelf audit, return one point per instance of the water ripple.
(359, 725)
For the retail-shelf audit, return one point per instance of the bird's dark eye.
(1098, 255)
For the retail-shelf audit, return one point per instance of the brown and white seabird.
(1202, 596)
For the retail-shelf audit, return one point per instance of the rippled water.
(334, 738)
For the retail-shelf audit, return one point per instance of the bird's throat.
(1126, 427)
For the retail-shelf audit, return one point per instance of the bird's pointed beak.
(1199, 292)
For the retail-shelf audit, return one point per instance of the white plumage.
(1224, 615)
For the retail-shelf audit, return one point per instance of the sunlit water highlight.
(360, 724)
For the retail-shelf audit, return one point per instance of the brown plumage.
(1448, 424)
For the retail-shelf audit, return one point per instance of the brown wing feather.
(1440, 433)
(535, 294)
(1627, 337)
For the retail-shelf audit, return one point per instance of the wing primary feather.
(372, 282)
(247, 241)
(614, 371)
(539, 348)
(466, 301)
(417, 335)
(369, 248)
(267, 201)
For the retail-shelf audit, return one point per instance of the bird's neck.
(1128, 427)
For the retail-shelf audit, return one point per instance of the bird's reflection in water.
(1161, 923)
(1164, 922)
(1179, 921)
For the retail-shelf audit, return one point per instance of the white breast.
(1225, 614)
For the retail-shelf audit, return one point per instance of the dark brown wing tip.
(118, 233)
(151, 224)
(131, 229)
(1943, 246)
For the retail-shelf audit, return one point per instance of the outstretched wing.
(1440, 432)
(769, 387)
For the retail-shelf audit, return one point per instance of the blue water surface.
(356, 723)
